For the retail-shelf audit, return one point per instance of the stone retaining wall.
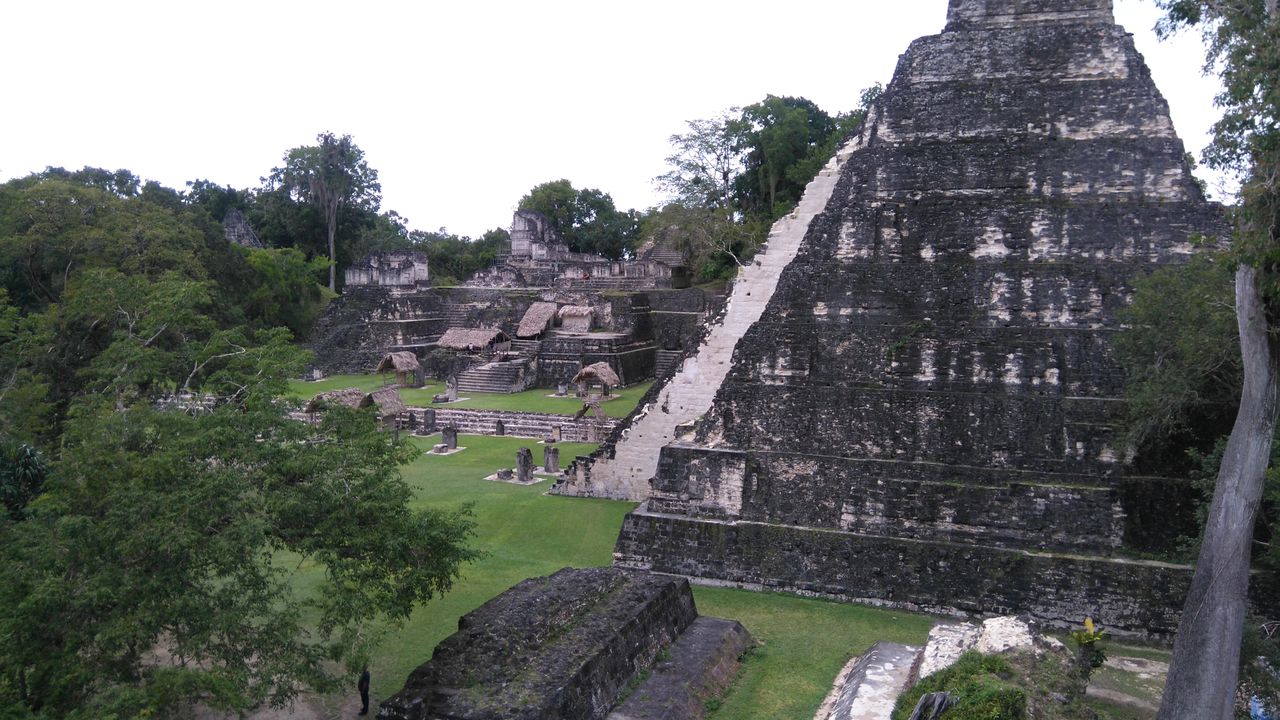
(563, 646)
(516, 424)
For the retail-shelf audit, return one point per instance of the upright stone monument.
(550, 458)
(449, 437)
(524, 465)
(925, 414)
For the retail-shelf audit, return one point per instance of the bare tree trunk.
(333, 256)
(1206, 654)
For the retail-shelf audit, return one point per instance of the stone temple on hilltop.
(917, 400)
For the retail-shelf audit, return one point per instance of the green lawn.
(527, 534)
(535, 400)
(804, 644)
(307, 389)
(524, 532)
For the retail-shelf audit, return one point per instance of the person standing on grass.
(363, 686)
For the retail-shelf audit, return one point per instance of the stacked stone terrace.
(573, 646)
(924, 415)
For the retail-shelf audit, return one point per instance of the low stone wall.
(926, 501)
(1057, 589)
(701, 665)
(516, 424)
(563, 646)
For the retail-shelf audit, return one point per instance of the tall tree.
(586, 219)
(1244, 48)
(775, 134)
(330, 176)
(148, 572)
(704, 165)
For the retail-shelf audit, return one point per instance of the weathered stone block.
(562, 646)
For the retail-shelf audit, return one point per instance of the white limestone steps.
(870, 684)
(688, 395)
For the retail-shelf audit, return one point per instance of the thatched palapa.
(598, 372)
(576, 311)
(576, 318)
(402, 361)
(387, 401)
(536, 319)
(471, 339)
(346, 397)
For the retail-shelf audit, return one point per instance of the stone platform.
(568, 646)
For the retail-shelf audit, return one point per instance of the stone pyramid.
(925, 413)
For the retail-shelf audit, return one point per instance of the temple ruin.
(911, 398)
(540, 258)
(534, 319)
(400, 271)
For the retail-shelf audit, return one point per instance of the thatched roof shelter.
(471, 339)
(346, 397)
(402, 361)
(598, 372)
(387, 401)
(536, 319)
(576, 311)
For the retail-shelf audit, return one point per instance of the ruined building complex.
(539, 258)
(535, 318)
(917, 400)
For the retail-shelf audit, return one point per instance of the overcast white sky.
(461, 106)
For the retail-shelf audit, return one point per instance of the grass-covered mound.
(1024, 684)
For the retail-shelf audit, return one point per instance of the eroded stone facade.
(925, 414)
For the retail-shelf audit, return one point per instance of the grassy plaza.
(537, 400)
(526, 533)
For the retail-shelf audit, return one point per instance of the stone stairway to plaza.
(688, 395)
(492, 377)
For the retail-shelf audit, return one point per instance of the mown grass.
(535, 400)
(804, 644)
(527, 534)
(307, 389)
(523, 532)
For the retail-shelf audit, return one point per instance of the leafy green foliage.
(1243, 49)
(148, 550)
(1088, 648)
(49, 228)
(732, 175)
(704, 165)
(981, 687)
(778, 137)
(455, 258)
(282, 290)
(22, 475)
(715, 244)
(586, 219)
(149, 572)
(1180, 352)
(329, 176)
(1260, 662)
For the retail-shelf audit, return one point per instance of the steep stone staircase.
(492, 377)
(456, 315)
(688, 395)
(666, 359)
